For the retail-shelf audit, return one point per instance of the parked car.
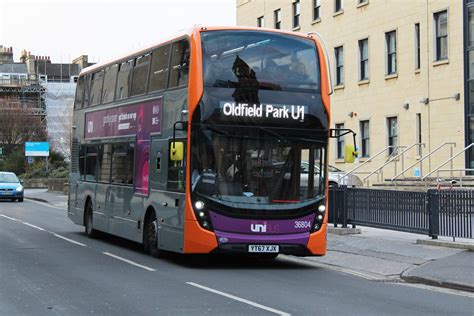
(335, 176)
(10, 187)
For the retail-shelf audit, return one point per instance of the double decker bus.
(214, 141)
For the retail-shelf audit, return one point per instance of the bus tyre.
(151, 238)
(89, 228)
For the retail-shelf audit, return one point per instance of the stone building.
(400, 74)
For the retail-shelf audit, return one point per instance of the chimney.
(30, 63)
(6, 55)
(82, 61)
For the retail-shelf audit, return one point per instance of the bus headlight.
(202, 215)
(322, 208)
(199, 205)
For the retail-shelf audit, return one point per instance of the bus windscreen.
(260, 60)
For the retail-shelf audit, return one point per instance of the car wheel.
(89, 223)
(151, 238)
(20, 199)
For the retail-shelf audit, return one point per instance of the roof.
(17, 68)
(187, 32)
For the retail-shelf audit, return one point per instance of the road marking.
(34, 226)
(10, 218)
(128, 261)
(366, 276)
(70, 240)
(438, 289)
(275, 311)
(46, 204)
(45, 230)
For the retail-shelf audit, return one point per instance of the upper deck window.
(123, 80)
(79, 93)
(140, 74)
(259, 60)
(179, 68)
(110, 79)
(96, 88)
(159, 69)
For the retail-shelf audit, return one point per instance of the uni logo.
(258, 228)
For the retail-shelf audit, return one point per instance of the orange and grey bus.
(214, 141)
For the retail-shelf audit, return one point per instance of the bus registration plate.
(264, 248)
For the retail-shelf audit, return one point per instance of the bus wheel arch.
(150, 234)
(88, 219)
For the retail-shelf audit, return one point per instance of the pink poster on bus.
(131, 120)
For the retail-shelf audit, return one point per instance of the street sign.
(37, 149)
(30, 160)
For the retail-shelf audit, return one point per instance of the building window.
(339, 56)
(337, 6)
(441, 33)
(362, 1)
(261, 21)
(418, 133)
(296, 14)
(277, 16)
(392, 134)
(340, 143)
(391, 44)
(365, 138)
(316, 9)
(417, 46)
(364, 59)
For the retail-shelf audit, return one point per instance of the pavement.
(375, 254)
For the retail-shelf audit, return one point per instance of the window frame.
(277, 19)
(261, 21)
(316, 10)
(391, 65)
(437, 38)
(338, 6)
(339, 68)
(390, 136)
(363, 62)
(417, 46)
(296, 7)
(340, 143)
(364, 140)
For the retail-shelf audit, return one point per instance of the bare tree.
(18, 125)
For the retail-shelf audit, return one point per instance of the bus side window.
(179, 68)
(82, 162)
(79, 94)
(159, 69)
(91, 163)
(140, 75)
(96, 87)
(176, 173)
(119, 167)
(87, 80)
(123, 80)
(110, 79)
(104, 162)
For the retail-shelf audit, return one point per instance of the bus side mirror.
(176, 151)
(351, 154)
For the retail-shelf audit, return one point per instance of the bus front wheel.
(151, 238)
(89, 228)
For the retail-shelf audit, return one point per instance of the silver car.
(336, 176)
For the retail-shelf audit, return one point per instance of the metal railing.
(435, 212)
(461, 176)
(353, 171)
(449, 160)
(422, 159)
(394, 158)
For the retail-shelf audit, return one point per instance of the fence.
(436, 213)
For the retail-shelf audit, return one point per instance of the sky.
(102, 29)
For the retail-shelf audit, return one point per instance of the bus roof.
(188, 32)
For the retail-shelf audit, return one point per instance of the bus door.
(165, 193)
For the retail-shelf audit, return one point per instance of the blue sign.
(37, 149)
(30, 160)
